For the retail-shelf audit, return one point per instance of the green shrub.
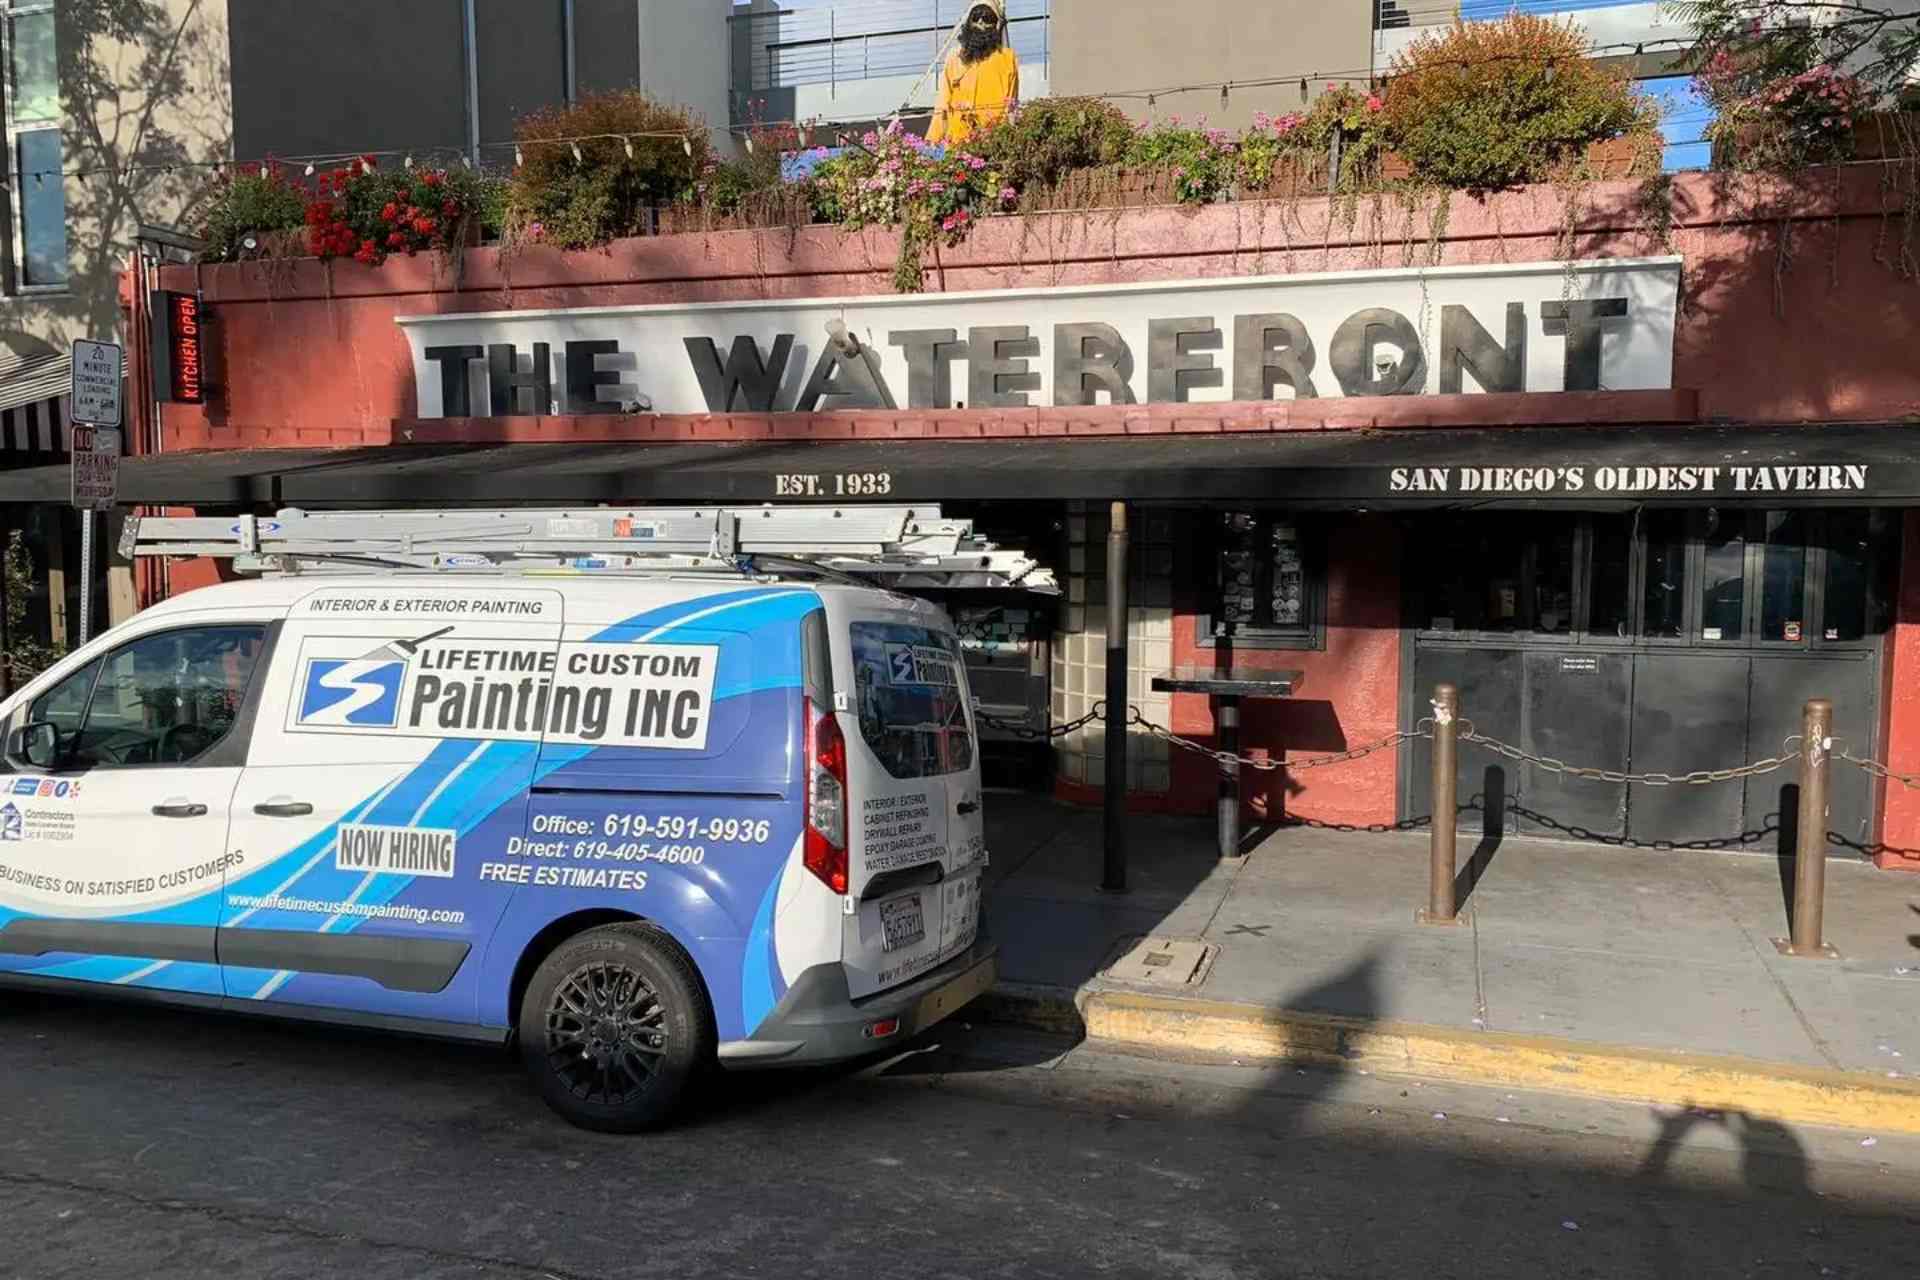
(606, 193)
(246, 202)
(28, 657)
(1202, 162)
(1041, 142)
(1484, 105)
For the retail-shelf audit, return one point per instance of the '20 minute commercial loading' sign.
(1603, 325)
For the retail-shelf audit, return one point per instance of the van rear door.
(913, 807)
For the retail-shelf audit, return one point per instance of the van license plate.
(901, 922)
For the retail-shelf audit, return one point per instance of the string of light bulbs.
(310, 164)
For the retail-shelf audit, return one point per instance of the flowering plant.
(1303, 140)
(895, 178)
(1772, 113)
(1201, 162)
(364, 212)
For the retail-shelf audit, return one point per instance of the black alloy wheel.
(614, 1026)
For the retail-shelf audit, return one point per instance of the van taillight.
(825, 851)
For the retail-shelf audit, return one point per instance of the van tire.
(615, 1027)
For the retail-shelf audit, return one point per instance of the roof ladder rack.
(896, 546)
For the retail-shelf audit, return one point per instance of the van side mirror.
(37, 743)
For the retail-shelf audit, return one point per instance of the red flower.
(450, 209)
(423, 226)
(431, 178)
(389, 211)
(395, 240)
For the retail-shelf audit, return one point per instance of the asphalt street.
(151, 1143)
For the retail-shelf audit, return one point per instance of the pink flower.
(1008, 195)
(976, 163)
(935, 188)
(1374, 103)
(537, 230)
(1826, 122)
(1262, 120)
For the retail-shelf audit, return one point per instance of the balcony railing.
(787, 48)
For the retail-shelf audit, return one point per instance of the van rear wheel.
(614, 1027)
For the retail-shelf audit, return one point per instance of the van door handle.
(283, 809)
(967, 806)
(180, 809)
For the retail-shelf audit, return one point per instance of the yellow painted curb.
(1795, 1094)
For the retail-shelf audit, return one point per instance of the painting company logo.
(358, 693)
(352, 692)
(13, 823)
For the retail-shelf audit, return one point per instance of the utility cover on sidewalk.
(1163, 962)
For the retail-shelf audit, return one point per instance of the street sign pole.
(95, 407)
(86, 574)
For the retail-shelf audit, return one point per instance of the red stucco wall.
(309, 354)
(1900, 825)
(1349, 694)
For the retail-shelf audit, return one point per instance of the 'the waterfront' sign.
(1600, 325)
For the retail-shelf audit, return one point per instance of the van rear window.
(911, 699)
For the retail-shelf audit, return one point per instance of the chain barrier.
(1789, 752)
(1135, 720)
(1424, 729)
(1878, 770)
(1027, 733)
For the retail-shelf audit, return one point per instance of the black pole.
(1114, 878)
(6, 610)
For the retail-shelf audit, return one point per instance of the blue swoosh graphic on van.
(776, 666)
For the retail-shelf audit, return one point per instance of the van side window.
(163, 699)
(65, 704)
(911, 700)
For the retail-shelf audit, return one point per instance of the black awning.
(225, 477)
(1575, 466)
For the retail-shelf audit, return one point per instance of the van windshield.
(911, 699)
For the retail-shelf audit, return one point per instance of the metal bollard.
(1440, 903)
(1810, 836)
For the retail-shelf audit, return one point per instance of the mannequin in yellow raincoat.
(981, 78)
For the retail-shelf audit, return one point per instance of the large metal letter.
(504, 379)
(1352, 355)
(1088, 359)
(456, 401)
(997, 374)
(745, 376)
(1175, 364)
(930, 357)
(854, 376)
(1581, 321)
(1464, 342)
(584, 380)
(1269, 350)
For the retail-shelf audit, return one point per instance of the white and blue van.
(637, 824)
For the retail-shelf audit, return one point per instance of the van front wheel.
(613, 1028)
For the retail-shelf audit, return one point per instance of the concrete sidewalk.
(1593, 969)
